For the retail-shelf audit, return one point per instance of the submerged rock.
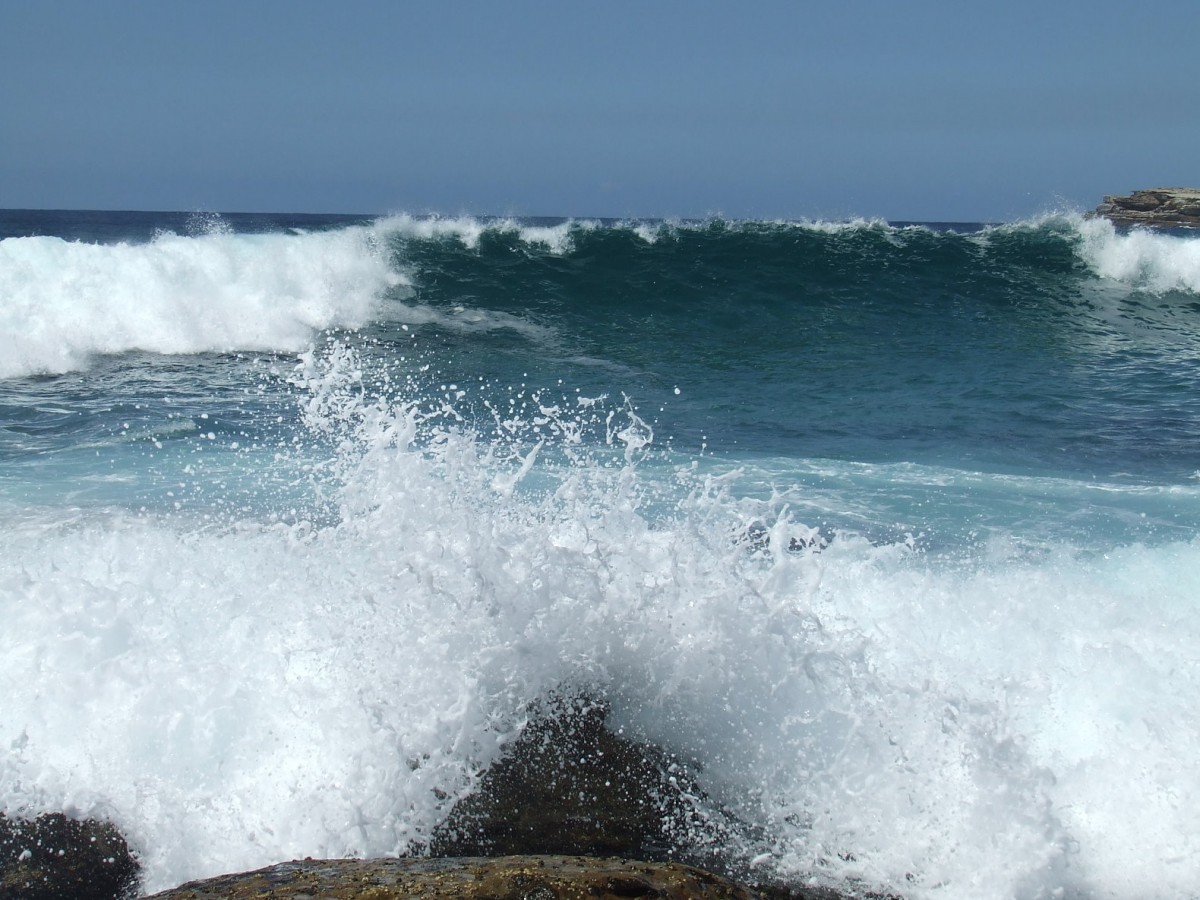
(1159, 207)
(500, 878)
(53, 857)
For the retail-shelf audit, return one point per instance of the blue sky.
(905, 110)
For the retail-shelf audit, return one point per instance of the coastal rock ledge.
(499, 878)
(571, 811)
(1156, 207)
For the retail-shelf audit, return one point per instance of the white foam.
(63, 302)
(996, 728)
(469, 230)
(469, 320)
(652, 232)
(1146, 259)
(560, 238)
(1141, 258)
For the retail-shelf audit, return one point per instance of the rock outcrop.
(53, 857)
(1156, 207)
(570, 810)
(498, 878)
(570, 786)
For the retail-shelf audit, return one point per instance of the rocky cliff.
(1157, 207)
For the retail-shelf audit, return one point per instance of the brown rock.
(500, 878)
(1155, 207)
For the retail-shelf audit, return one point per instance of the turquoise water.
(290, 502)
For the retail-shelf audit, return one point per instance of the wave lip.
(63, 302)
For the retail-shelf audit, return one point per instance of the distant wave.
(561, 236)
(1145, 259)
(468, 230)
(62, 302)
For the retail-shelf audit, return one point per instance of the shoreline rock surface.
(572, 809)
(465, 878)
(1154, 207)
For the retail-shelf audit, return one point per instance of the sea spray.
(719, 655)
(323, 688)
(64, 302)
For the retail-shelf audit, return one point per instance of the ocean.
(889, 530)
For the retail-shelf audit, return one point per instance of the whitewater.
(890, 530)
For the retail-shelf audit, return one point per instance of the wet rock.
(570, 786)
(1157, 207)
(53, 857)
(571, 810)
(501, 878)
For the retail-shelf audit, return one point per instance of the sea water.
(890, 531)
